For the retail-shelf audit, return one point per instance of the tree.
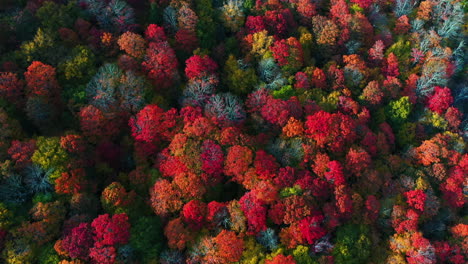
(268, 239)
(324, 127)
(43, 48)
(155, 33)
(289, 54)
(229, 246)
(357, 161)
(11, 88)
(102, 88)
(225, 109)
(391, 66)
(280, 258)
(254, 24)
(334, 173)
(372, 93)
(199, 90)
(238, 160)
(353, 244)
(50, 156)
(293, 128)
(41, 80)
(104, 255)
(311, 229)
(206, 26)
(113, 16)
(416, 199)
(72, 182)
(160, 64)
(38, 180)
(376, 53)
(187, 18)
(279, 22)
(53, 16)
(440, 100)
(199, 66)
(80, 65)
(306, 10)
(255, 212)
(133, 44)
(96, 124)
(327, 31)
(115, 198)
(265, 165)
(79, 241)
(111, 230)
(152, 124)
(212, 158)
(399, 110)
(194, 213)
(177, 234)
(165, 198)
(146, 236)
(21, 152)
(233, 15)
(238, 76)
(186, 40)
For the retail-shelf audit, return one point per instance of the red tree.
(41, 80)
(357, 160)
(416, 199)
(229, 246)
(288, 53)
(279, 22)
(177, 234)
(440, 100)
(194, 213)
(111, 231)
(21, 152)
(72, 182)
(155, 33)
(330, 130)
(152, 124)
(11, 88)
(391, 66)
(238, 160)
(164, 198)
(103, 255)
(281, 259)
(335, 174)
(79, 241)
(265, 165)
(160, 64)
(199, 66)
(255, 211)
(311, 228)
(96, 124)
(212, 157)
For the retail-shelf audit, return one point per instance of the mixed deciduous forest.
(233, 131)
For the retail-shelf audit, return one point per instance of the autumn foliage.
(233, 131)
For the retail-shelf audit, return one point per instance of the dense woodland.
(235, 131)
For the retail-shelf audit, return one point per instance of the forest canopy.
(233, 131)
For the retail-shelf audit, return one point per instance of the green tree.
(50, 155)
(353, 245)
(239, 78)
(146, 237)
(79, 66)
(54, 16)
(43, 48)
(399, 110)
(301, 255)
(206, 26)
